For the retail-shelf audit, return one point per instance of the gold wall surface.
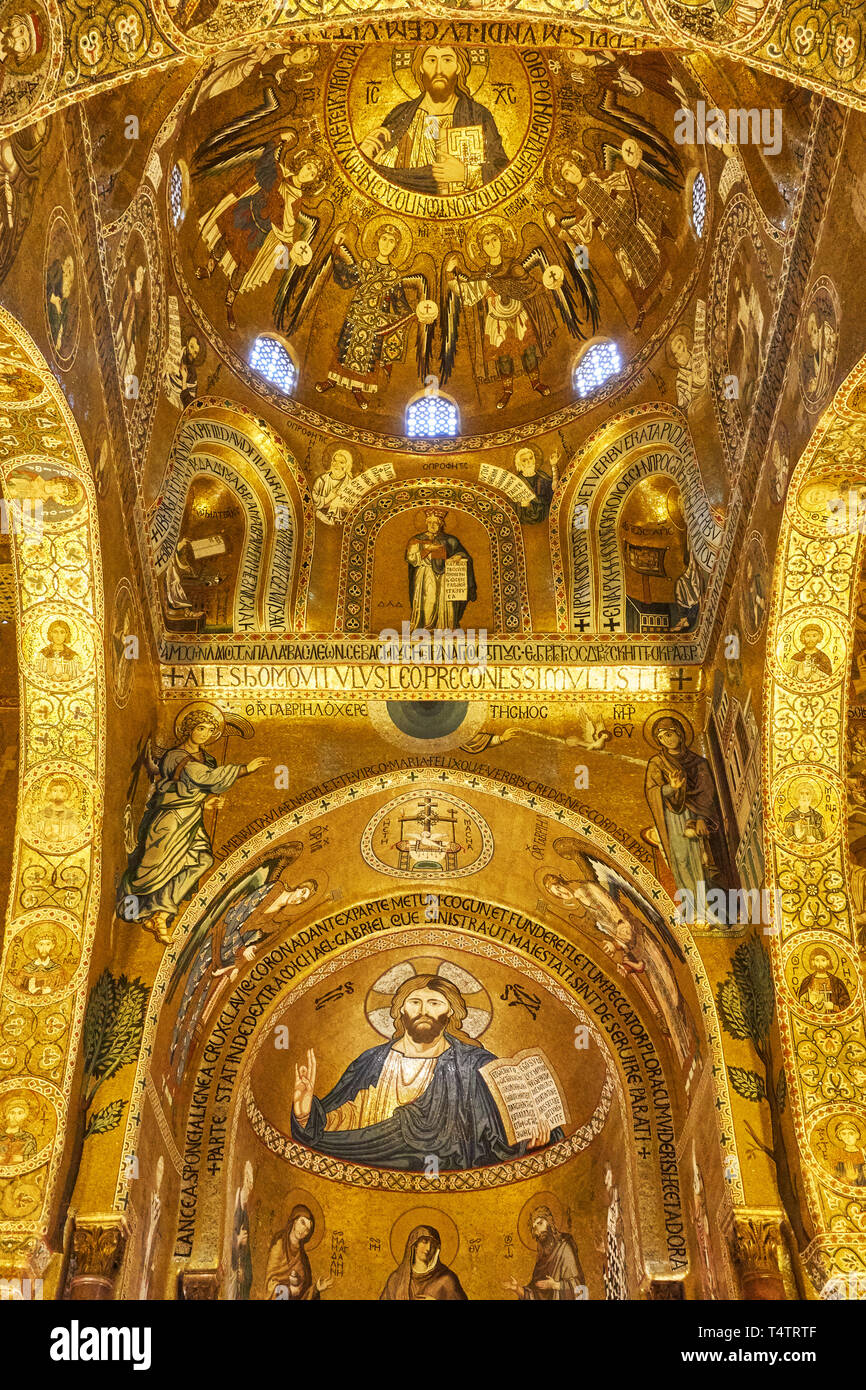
(340, 961)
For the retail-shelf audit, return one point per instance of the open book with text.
(526, 1090)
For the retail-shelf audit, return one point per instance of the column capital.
(98, 1246)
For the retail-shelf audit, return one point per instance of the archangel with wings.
(627, 204)
(510, 302)
(386, 303)
(263, 221)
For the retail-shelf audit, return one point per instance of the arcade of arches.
(432, 650)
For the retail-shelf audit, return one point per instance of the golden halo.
(819, 949)
(538, 1199)
(401, 67)
(377, 1005)
(425, 1216)
(561, 189)
(834, 1125)
(804, 784)
(300, 1197)
(26, 1099)
(421, 514)
(338, 446)
(370, 235)
(473, 242)
(201, 707)
(649, 727)
(34, 933)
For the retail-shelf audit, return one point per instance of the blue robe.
(456, 1119)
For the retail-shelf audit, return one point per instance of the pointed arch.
(818, 562)
(584, 520)
(55, 881)
(232, 445)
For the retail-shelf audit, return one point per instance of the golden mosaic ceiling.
(339, 962)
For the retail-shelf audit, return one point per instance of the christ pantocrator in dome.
(443, 141)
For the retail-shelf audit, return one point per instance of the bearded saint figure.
(427, 556)
(557, 1274)
(419, 1095)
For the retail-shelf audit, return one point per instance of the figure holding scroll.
(441, 575)
(425, 1096)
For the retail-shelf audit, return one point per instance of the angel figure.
(509, 301)
(622, 207)
(592, 733)
(173, 850)
(244, 915)
(385, 303)
(688, 353)
(240, 65)
(622, 917)
(261, 223)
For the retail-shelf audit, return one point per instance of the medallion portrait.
(62, 290)
(432, 121)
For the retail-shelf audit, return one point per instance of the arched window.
(175, 194)
(699, 203)
(272, 361)
(432, 417)
(600, 362)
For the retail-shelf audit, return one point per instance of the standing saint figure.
(375, 328)
(421, 1274)
(819, 358)
(708, 1281)
(427, 555)
(639, 957)
(59, 283)
(630, 217)
(507, 301)
(150, 1239)
(526, 465)
(173, 849)
(241, 1267)
(557, 1275)
(128, 332)
(288, 1274)
(615, 1256)
(682, 797)
(234, 934)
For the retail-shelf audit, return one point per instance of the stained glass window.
(431, 417)
(271, 360)
(596, 366)
(699, 203)
(175, 194)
